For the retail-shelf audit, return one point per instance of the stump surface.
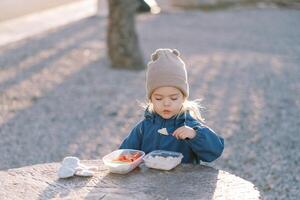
(183, 182)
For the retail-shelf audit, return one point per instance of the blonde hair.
(193, 106)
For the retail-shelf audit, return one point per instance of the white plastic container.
(122, 167)
(164, 160)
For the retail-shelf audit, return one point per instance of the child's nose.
(167, 102)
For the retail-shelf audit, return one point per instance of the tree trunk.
(122, 40)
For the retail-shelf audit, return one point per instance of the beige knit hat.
(166, 68)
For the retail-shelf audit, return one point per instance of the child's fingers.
(182, 135)
(177, 131)
(175, 134)
(179, 134)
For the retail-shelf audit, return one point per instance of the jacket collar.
(154, 116)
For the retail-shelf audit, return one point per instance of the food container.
(164, 160)
(123, 161)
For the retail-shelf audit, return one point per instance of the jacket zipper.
(159, 137)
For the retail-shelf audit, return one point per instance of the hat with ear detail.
(166, 68)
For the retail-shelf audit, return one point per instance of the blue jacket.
(205, 146)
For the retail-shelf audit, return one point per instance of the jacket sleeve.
(207, 145)
(134, 139)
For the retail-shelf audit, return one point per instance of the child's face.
(167, 101)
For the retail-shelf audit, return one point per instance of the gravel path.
(58, 96)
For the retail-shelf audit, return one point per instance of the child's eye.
(158, 99)
(174, 99)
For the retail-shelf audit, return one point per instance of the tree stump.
(183, 182)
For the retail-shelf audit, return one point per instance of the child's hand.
(184, 132)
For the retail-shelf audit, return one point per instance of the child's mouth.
(166, 111)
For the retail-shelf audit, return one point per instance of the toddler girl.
(172, 122)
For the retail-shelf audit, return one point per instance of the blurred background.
(72, 76)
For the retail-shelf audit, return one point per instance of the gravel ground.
(59, 97)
